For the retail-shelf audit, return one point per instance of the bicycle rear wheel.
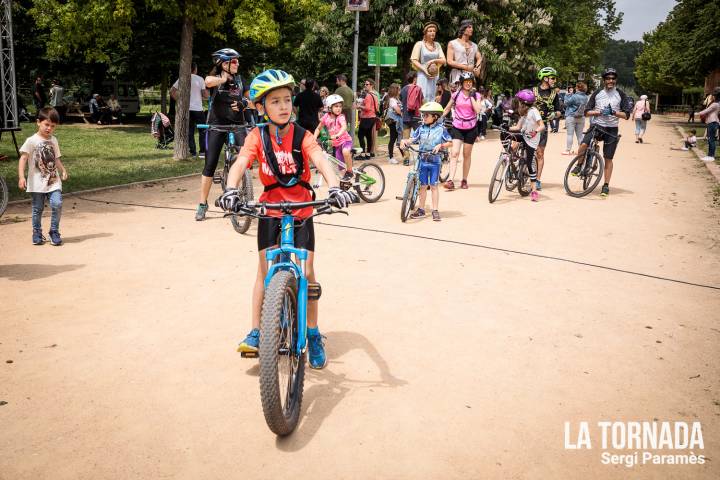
(241, 223)
(498, 177)
(4, 195)
(282, 371)
(589, 177)
(408, 201)
(370, 182)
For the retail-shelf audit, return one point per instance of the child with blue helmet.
(431, 137)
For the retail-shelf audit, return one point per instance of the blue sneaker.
(317, 351)
(55, 238)
(251, 342)
(37, 237)
(538, 185)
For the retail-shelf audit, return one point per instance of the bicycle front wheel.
(370, 182)
(4, 195)
(241, 223)
(408, 200)
(496, 182)
(282, 370)
(444, 169)
(589, 176)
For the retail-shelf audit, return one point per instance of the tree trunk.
(182, 109)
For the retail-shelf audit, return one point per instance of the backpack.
(285, 180)
(414, 99)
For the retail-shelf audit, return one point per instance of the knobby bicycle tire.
(589, 182)
(523, 184)
(278, 338)
(378, 186)
(4, 195)
(408, 201)
(241, 223)
(498, 178)
(444, 169)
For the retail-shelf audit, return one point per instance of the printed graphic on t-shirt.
(286, 164)
(44, 160)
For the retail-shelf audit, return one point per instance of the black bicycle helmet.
(224, 55)
(609, 71)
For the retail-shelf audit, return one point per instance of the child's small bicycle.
(412, 184)
(241, 225)
(283, 324)
(511, 168)
(368, 179)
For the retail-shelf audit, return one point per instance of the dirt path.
(446, 361)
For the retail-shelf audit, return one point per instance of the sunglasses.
(234, 61)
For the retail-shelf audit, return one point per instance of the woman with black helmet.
(227, 107)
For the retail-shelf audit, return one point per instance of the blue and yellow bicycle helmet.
(268, 81)
(547, 72)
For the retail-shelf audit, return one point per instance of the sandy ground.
(446, 361)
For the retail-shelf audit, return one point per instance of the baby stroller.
(161, 129)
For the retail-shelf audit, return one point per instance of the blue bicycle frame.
(280, 259)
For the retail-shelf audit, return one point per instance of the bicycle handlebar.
(250, 208)
(223, 128)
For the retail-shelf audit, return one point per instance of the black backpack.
(285, 180)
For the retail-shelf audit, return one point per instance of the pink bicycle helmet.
(526, 96)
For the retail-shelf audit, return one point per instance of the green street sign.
(388, 56)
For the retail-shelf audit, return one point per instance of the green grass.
(100, 157)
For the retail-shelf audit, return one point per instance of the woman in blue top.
(575, 115)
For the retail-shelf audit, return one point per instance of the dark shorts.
(429, 173)
(610, 141)
(543, 137)
(269, 234)
(467, 136)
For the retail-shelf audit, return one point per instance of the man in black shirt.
(308, 104)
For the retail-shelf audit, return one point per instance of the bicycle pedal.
(249, 354)
(314, 291)
(217, 179)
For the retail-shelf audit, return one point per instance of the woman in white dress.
(427, 57)
(463, 54)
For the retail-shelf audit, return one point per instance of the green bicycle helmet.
(432, 107)
(270, 80)
(547, 72)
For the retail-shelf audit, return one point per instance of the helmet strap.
(278, 126)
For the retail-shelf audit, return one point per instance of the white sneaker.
(393, 161)
(708, 159)
(684, 149)
(482, 137)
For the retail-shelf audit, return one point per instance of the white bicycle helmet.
(332, 100)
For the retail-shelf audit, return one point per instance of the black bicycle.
(584, 172)
(241, 223)
(511, 168)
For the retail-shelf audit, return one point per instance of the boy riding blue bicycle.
(283, 150)
(431, 137)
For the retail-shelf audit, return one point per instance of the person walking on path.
(394, 120)
(198, 93)
(466, 105)
(427, 57)
(710, 117)
(309, 104)
(463, 54)
(640, 113)
(368, 114)
(575, 116)
(348, 98)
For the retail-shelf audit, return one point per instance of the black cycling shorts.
(543, 137)
(214, 145)
(467, 136)
(269, 234)
(609, 139)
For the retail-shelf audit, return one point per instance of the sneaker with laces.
(406, 162)
(316, 346)
(534, 195)
(202, 209)
(538, 185)
(348, 176)
(393, 161)
(464, 184)
(436, 216)
(37, 237)
(708, 158)
(605, 190)
(576, 171)
(251, 342)
(419, 213)
(55, 238)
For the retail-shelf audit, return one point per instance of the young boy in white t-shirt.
(45, 172)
